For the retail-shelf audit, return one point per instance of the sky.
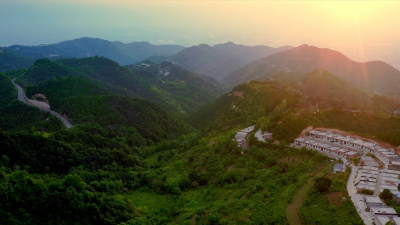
(363, 30)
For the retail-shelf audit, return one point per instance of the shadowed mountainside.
(10, 60)
(220, 60)
(179, 91)
(375, 76)
(86, 47)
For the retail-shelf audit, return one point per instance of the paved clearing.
(292, 211)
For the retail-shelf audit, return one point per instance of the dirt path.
(40, 105)
(292, 211)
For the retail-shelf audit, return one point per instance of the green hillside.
(180, 93)
(12, 61)
(14, 115)
(231, 110)
(188, 90)
(42, 70)
(287, 107)
(84, 101)
(324, 88)
(125, 163)
(98, 176)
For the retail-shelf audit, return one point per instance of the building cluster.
(380, 212)
(369, 161)
(375, 181)
(367, 177)
(349, 147)
(326, 149)
(241, 137)
(263, 135)
(371, 178)
(390, 180)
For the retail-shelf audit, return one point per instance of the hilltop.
(220, 60)
(287, 107)
(86, 47)
(376, 76)
(12, 61)
(176, 92)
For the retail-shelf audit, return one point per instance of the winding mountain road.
(38, 104)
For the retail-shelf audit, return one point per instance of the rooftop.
(338, 166)
(351, 153)
(383, 219)
(373, 199)
(396, 220)
(383, 210)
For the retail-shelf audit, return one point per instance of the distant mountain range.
(376, 76)
(230, 63)
(86, 47)
(220, 60)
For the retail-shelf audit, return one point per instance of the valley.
(155, 143)
(131, 112)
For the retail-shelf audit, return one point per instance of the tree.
(4, 161)
(386, 195)
(356, 161)
(322, 184)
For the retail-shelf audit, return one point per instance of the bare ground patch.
(244, 196)
(232, 196)
(193, 219)
(231, 167)
(335, 198)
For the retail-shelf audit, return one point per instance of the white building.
(381, 220)
(373, 201)
(383, 211)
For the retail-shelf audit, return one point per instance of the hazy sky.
(360, 29)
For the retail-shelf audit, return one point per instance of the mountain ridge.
(305, 58)
(86, 46)
(179, 91)
(219, 60)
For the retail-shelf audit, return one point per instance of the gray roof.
(338, 166)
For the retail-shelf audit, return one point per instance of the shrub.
(322, 184)
(386, 195)
(367, 192)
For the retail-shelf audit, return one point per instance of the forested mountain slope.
(188, 89)
(15, 116)
(12, 61)
(86, 102)
(123, 161)
(286, 107)
(220, 60)
(377, 77)
(105, 176)
(181, 92)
